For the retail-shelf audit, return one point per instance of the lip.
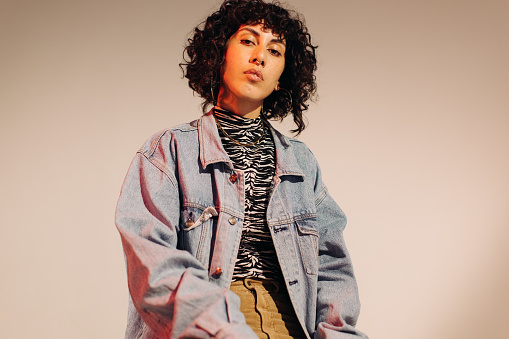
(254, 75)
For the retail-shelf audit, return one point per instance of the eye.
(246, 42)
(274, 52)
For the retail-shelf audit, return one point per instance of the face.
(254, 61)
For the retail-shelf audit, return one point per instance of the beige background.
(410, 129)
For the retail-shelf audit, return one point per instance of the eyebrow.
(257, 34)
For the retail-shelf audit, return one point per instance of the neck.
(249, 109)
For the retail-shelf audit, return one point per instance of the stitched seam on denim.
(201, 143)
(153, 145)
(292, 219)
(162, 169)
(203, 235)
(321, 196)
(181, 129)
(196, 205)
(290, 139)
(239, 215)
(219, 209)
(283, 138)
(306, 258)
(305, 230)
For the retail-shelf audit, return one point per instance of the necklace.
(235, 141)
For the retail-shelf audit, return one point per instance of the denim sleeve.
(338, 304)
(169, 287)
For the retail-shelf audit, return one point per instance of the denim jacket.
(180, 215)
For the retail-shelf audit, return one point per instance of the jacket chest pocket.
(307, 236)
(197, 229)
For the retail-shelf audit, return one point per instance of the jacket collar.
(212, 151)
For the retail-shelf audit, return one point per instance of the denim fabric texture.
(180, 216)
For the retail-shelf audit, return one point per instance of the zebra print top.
(256, 256)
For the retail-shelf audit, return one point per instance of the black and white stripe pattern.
(256, 257)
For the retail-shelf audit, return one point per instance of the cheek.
(283, 64)
(279, 66)
(230, 66)
(226, 73)
(278, 71)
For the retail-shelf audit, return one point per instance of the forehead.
(259, 28)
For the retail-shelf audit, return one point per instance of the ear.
(277, 87)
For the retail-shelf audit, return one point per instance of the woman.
(227, 228)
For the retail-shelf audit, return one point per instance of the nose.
(258, 57)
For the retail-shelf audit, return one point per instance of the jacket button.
(233, 178)
(232, 220)
(189, 222)
(218, 272)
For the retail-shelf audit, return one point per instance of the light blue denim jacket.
(180, 217)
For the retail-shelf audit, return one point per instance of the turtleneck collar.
(211, 150)
(241, 129)
(224, 114)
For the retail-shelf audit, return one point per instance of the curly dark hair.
(206, 49)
